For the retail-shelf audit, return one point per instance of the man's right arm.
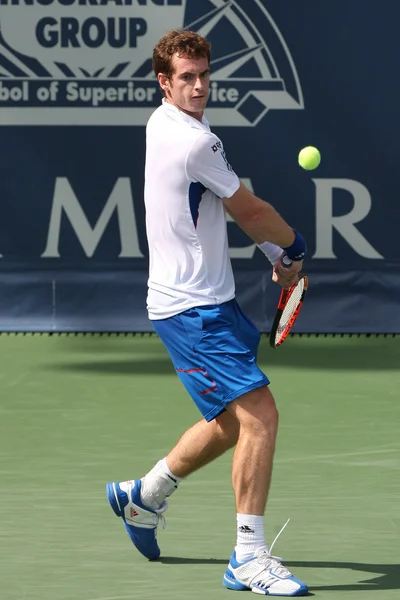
(264, 225)
(258, 219)
(207, 163)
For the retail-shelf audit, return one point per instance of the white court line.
(322, 457)
(17, 380)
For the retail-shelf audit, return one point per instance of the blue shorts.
(214, 351)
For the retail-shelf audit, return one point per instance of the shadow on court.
(146, 356)
(383, 577)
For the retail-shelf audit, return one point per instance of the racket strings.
(290, 309)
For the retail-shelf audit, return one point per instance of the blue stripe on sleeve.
(196, 191)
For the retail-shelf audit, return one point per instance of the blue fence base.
(116, 302)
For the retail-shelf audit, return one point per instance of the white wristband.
(272, 252)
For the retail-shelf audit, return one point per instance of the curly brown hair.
(188, 44)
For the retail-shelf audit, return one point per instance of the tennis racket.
(289, 306)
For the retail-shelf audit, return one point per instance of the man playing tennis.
(189, 186)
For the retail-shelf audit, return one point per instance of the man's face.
(189, 85)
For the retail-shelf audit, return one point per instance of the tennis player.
(189, 188)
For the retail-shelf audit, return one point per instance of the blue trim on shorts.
(214, 352)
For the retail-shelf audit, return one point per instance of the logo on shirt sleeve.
(218, 147)
(228, 166)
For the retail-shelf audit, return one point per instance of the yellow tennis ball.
(309, 158)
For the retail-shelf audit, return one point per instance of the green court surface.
(79, 411)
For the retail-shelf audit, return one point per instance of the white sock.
(250, 536)
(158, 485)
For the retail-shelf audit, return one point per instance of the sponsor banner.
(77, 62)
(76, 90)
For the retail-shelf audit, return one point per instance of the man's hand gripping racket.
(290, 302)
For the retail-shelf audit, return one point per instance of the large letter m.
(89, 237)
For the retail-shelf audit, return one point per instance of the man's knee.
(256, 410)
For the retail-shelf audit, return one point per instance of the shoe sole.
(113, 498)
(234, 584)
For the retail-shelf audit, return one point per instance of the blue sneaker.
(140, 521)
(263, 574)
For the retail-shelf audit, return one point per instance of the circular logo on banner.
(88, 62)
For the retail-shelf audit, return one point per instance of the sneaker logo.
(134, 513)
(246, 529)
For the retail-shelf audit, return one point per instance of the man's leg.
(251, 421)
(202, 443)
(198, 446)
(251, 565)
(257, 416)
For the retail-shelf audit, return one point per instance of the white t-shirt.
(186, 176)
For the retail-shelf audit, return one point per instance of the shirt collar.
(178, 115)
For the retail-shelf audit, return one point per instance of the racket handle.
(286, 261)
